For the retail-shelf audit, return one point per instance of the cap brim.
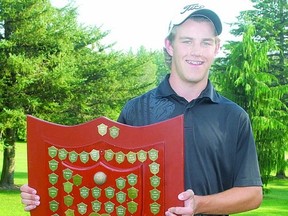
(209, 14)
(212, 16)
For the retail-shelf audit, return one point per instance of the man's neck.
(187, 90)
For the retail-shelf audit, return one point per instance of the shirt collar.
(165, 90)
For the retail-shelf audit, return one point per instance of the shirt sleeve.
(247, 171)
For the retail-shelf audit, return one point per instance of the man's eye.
(187, 41)
(207, 43)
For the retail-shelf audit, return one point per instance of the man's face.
(193, 51)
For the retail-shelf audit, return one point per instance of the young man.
(221, 167)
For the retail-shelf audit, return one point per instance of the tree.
(57, 70)
(162, 67)
(246, 81)
(111, 79)
(270, 21)
(38, 66)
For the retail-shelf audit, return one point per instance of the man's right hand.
(29, 197)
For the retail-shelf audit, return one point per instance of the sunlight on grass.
(20, 176)
(21, 164)
(275, 201)
(10, 200)
(11, 204)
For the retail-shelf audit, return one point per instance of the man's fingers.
(180, 211)
(188, 209)
(188, 194)
(30, 204)
(30, 207)
(29, 196)
(28, 199)
(27, 189)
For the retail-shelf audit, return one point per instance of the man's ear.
(169, 47)
(218, 46)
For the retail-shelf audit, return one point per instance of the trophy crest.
(103, 167)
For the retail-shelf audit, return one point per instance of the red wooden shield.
(105, 168)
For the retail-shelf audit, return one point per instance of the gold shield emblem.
(114, 132)
(102, 129)
(53, 205)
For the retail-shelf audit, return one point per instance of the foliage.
(57, 70)
(109, 80)
(162, 68)
(271, 23)
(252, 79)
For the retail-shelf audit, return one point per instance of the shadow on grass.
(16, 187)
(9, 191)
(21, 175)
(277, 192)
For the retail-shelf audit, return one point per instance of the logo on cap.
(191, 7)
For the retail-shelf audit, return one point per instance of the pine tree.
(256, 78)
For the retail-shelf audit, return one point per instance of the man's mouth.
(194, 62)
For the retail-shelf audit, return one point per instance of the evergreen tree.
(270, 20)
(256, 78)
(60, 71)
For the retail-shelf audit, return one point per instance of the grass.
(275, 201)
(10, 200)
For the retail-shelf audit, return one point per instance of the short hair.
(171, 37)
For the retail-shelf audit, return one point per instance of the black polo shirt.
(220, 150)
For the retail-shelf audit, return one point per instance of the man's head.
(192, 45)
(194, 11)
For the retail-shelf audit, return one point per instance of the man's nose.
(195, 49)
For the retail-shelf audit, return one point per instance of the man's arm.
(234, 200)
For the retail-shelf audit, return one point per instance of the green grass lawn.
(275, 201)
(10, 201)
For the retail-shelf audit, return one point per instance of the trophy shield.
(103, 167)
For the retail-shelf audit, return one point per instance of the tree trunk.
(281, 174)
(7, 176)
(281, 165)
